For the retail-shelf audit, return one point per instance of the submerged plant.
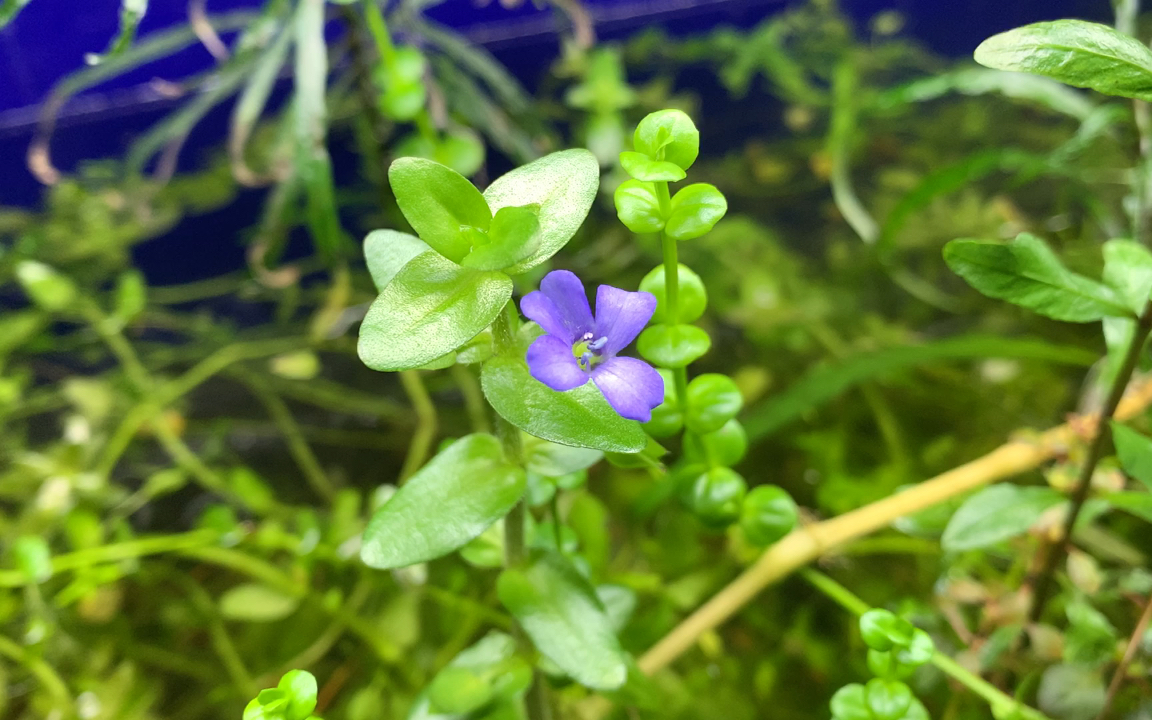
(201, 489)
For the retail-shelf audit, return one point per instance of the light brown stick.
(806, 544)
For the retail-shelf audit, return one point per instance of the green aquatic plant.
(347, 486)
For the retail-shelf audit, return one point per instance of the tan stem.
(806, 544)
(1129, 653)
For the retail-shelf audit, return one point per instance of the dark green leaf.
(430, 308)
(1075, 52)
(387, 251)
(450, 501)
(996, 514)
(443, 207)
(695, 209)
(563, 184)
(1027, 273)
(673, 346)
(560, 612)
(580, 417)
(637, 207)
(642, 167)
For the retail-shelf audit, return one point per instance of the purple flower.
(578, 346)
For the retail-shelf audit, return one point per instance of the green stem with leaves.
(1002, 705)
(671, 254)
(1096, 450)
(504, 333)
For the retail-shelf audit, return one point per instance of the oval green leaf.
(668, 135)
(637, 207)
(442, 206)
(1134, 451)
(1128, 269)
(692, 299)
(513, 236)
(995, 514)
(696, 208)
(387, 251)
(642, 167)
(450, 501)
(253, 602)
(560, 612)
(580, 417)
(1075, 52)
(563, 184)
(673, 346)
(1027, 273)
(713, 399)
(432, 307)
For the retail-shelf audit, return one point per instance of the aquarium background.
(191, 447)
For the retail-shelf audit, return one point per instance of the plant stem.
(805, 544)
(1129, 653)
(426, 422)
(473, 398)
(671, 251)
(1002, 705)
(378, 26)
(1095, 451)
(298, 446)
(43, 672)
(504, 333)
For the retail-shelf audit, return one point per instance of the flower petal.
(621, 315)
(559, 306)
(550, 360)
(632, 387)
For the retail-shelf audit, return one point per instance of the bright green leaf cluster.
(441, 290)
(896, 646)
(293, 698)
(666, 144)
(878, 700)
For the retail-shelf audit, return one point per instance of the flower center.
(588, 351)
